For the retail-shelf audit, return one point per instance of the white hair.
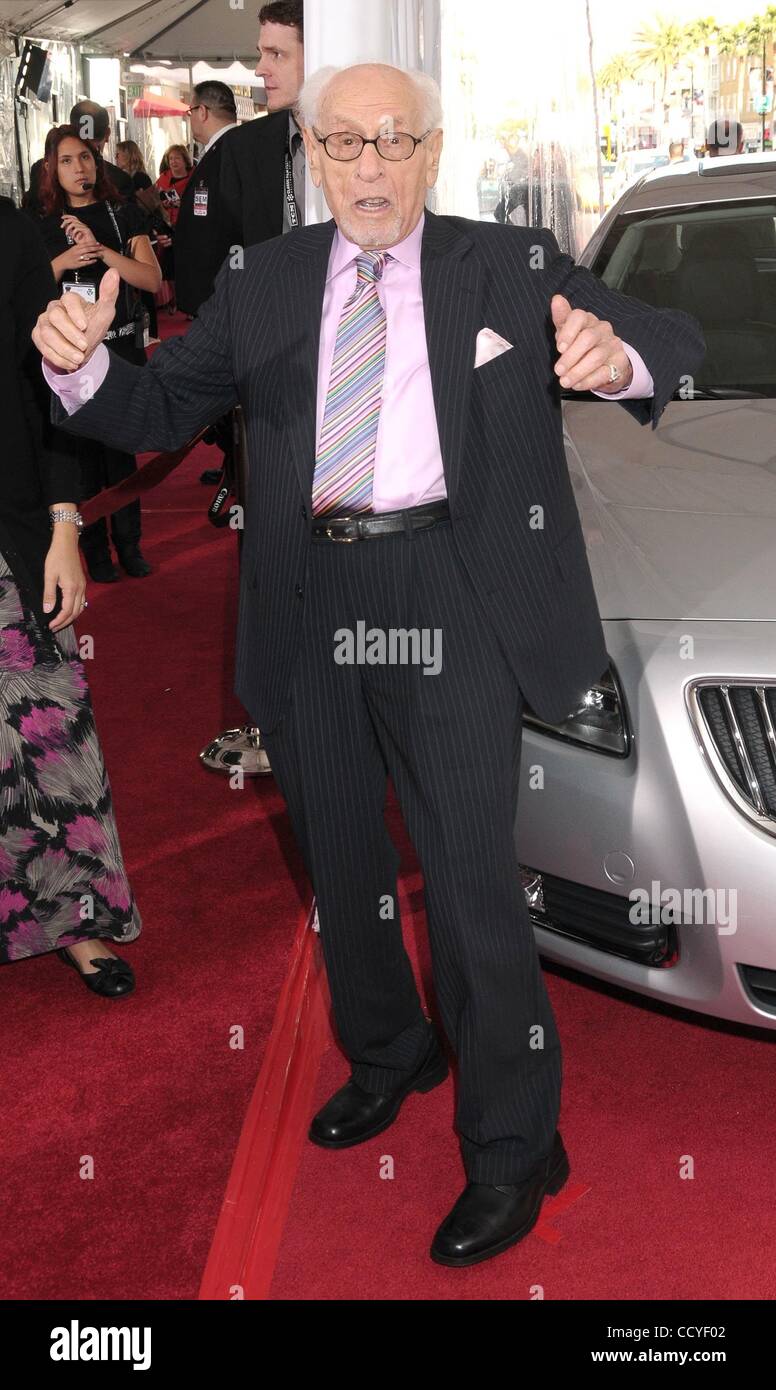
(313, 94)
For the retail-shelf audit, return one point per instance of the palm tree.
(731, 38)
(661, 48)
(612, 77)
(699, 31)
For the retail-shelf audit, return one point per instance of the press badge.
(200, 201)
(87, 292)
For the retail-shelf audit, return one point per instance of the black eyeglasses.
(345, 145)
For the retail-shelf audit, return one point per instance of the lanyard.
(116, 229)
(293, 214)
(134, 325)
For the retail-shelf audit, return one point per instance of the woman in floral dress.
(63, 886)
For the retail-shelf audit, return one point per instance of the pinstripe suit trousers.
(450, 741)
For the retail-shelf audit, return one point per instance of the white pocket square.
(489, 345)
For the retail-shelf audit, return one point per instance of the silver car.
(647, 824)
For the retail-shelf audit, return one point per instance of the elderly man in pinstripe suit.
(398, 374)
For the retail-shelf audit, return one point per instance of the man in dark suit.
(413, 568)
(263, 161)
(93, 123)
(199, 236)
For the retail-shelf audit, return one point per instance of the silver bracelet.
(59, 514)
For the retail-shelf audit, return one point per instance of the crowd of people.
(167, 237)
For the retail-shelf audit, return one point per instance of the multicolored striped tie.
(344, 464)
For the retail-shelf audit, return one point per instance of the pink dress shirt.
(408, 460)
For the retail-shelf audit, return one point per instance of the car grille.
(760, 985)
(736, 725)
(598, 918)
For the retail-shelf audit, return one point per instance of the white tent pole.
(341, 32)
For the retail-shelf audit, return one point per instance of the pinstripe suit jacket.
(256, 342)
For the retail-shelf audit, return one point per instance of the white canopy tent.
(221, 30)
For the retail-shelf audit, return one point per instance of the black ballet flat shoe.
(489, 1218)
(136, 566)
(102, 571)
(353, 1115)
(112, 978)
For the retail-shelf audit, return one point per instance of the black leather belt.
(365, 525)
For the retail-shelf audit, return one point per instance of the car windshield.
(719, 264)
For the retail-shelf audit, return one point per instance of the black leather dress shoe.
(487, 1218)
(112, 977)
(136, 566)
(354, 1115)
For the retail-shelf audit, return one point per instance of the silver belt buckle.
(347, 539)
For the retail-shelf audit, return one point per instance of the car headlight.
(599, 723)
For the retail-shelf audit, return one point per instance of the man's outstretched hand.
(69, 329)
(587, 345)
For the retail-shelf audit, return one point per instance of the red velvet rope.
(149, 475)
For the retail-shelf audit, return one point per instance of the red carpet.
(154, 1092)
(149, 1086)
(642, 1088)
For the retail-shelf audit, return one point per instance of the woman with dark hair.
(63, 886)
(87, 230)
